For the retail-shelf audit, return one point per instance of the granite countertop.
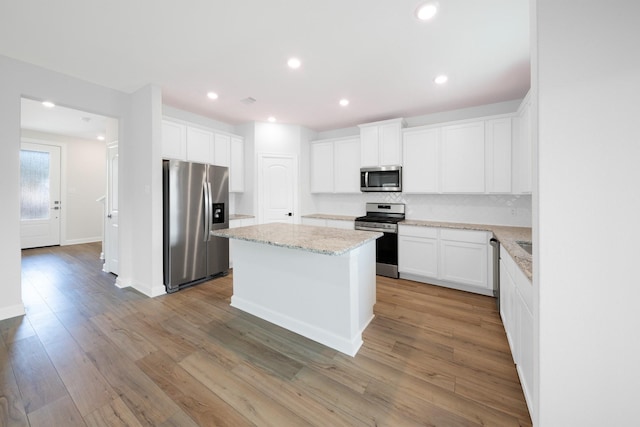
(322, 240)
(330, 216)
(240, 216)
(506, 235)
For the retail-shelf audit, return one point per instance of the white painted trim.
(12, 311)
(151, 292)
(81, 241)
(349, 347)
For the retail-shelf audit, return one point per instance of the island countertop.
(322, 240)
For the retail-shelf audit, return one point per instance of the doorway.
(82, 139)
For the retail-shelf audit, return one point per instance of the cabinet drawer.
(414, 231)
(469, 236)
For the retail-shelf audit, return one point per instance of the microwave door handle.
(366, 179)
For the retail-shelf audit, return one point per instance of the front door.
(277, 183)
(39, 195)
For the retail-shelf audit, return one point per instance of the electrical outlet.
(514, 212)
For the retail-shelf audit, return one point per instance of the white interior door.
(40, 195)
(277, 183)
(111, 221)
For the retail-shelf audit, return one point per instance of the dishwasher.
(495, 244)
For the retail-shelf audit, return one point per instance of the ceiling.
(62, 121)
(373, 52)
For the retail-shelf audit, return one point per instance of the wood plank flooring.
(90, 354)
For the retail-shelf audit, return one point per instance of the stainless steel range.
(384, 217)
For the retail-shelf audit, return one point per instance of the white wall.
(84, 179)
(588, 83)
(140, 187)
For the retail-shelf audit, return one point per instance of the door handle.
(109, 216)
(56, 208)
(288, 214)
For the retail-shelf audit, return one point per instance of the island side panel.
(366, 275)
(318, 296)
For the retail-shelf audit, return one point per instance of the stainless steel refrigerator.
(196, 201)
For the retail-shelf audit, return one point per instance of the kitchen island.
(318, 282)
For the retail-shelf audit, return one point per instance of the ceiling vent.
(248, 101)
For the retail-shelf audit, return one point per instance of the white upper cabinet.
(381, 143)
(174, 140)
(346, 164)
(498, 155)
(522, 150)
(335, 166)
(181, 141)
(222, 150)
(322, 167)
(470, 157)
(421, 162)
(462, 150)
(199, 145)
(236, 169)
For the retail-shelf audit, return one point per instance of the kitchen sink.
(527, 246)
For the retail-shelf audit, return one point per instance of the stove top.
(381, 217)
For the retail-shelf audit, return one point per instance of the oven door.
(387, 255)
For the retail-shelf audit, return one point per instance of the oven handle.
(359, 227)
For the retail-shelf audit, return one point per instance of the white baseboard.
(151, 292)
(12, 311)
(315, 333)
(70, 242)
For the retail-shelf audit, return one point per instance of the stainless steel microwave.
(381, 178)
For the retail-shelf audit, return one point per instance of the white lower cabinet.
(516, 310)
(463, 257)
(316, 222)
(453, 258)
(339, 223)
(418, 251)
(334, 223)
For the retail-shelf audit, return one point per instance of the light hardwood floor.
(88, 353)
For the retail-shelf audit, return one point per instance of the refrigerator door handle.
(210, 208)
(207, 209)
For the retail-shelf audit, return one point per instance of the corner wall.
(589, 203)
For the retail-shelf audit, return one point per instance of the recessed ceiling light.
(427, 11)
(441, 79)
(48, 104)
(294, 63)
(271, 119)
(100, 137)
(344, 102)
(212, 95)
